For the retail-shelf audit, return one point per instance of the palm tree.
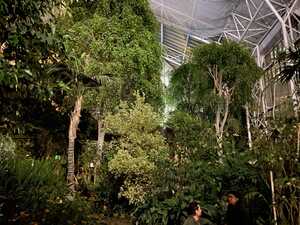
(290, 64)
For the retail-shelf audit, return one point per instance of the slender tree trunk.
(221, 121)
(298, 141)
(263, 100)
(248, 126)
(217, 126)
(74, 121)
(227, 101)
(100, 141)
(273, 197)
(218, 85)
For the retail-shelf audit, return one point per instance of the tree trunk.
(273, 198)
(74, 121)
(248, 127)
(217, 125)
(298, 141)
(221, 121)
(100, 142)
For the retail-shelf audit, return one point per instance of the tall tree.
(224, 75)
(115, 40)
(233, 72)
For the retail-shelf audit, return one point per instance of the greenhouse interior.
(159, 112)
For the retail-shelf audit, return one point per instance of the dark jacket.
(237, 215)
(191, 221)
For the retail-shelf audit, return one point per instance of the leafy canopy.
(233, 64)
(115, 39)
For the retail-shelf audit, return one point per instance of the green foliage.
(191, 137)
(27, 43)
(29, 46)
(290, 64)
(190, 90)
(140, 147)
(277, 151)
(139, 8)
(114, 41)
(237, 68)
(35, 191)
(195, 89)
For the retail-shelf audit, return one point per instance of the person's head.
(232, 198)
(194, 209)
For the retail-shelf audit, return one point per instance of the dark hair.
(193, 206)
(235, 193)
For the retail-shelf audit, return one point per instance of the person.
(236, 213)
(195, 213)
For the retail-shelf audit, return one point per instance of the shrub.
(35, 191)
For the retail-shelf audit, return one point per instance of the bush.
(35, 191)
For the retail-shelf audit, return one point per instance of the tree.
(28, 44)
(28, 47)
(114, 40)
(190, 91)
(139, 148)
(224, 75)
(122, 37)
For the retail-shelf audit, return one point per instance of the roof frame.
(251, 21)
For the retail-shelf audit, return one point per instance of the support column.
(261, 83)
(286, 46)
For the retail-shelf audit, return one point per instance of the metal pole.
(286, 46)
(284, 31)
(261, 83)
(291, 28)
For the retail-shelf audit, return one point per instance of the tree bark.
(74, 121)
(221, 120)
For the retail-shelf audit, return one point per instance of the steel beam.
(251, 21)
(283, 26)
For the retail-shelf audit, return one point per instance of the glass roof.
(186, 23)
